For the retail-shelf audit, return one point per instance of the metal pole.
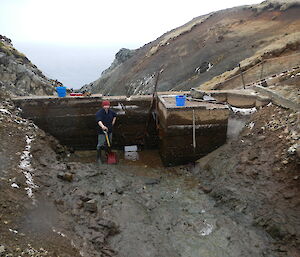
(242, 76)
(262, 69)
(194, 130)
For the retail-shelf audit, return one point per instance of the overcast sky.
(109, 24)
(133, 22)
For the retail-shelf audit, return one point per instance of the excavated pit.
(160, 125)
(142, 208)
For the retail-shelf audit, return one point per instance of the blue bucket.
(61, 91)
(180, 100)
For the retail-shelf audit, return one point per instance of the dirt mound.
(258, 174)
(27, 226)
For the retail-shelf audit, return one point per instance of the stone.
(292, 115)
(98, 238)
(295, 135)
(84, 198)
(119, 190)
(79, 204)
(152, 181)
(93, 174)
(293, 149)
(260, 138)
(206, 189)
(197, 93)
(66, 176)
(2, 249)
(59, 201)
(252, 155)
(288, 195)
(111, 226)
(91, 205)
(106, 223)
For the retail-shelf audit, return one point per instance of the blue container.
(180, 100)
(61, 91)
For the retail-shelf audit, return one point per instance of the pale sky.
(134, 22)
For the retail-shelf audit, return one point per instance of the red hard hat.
(105, 103)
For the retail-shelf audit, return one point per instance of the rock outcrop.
(122, 56)
(206, 47)
(272, 5)
(18, 76)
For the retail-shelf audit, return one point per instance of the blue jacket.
(106, 119)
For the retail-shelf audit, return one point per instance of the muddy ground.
(241, 200)
(256, 175)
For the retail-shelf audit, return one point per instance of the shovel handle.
(107, 139)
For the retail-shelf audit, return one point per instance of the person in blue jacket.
(105, 119)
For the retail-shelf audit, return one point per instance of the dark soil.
(241, 200)
(258, 176)
(26, 228)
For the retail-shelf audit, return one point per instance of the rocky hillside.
(18, 76)
(204, 48)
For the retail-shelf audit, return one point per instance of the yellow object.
(107, 140)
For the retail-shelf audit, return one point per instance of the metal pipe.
(194, 130)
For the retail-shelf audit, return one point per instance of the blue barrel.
(180, 100)
(61, 91)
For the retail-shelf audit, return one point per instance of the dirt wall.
(72, 120)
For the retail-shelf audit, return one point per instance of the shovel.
(111, 156)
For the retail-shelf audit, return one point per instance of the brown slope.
(223, 39)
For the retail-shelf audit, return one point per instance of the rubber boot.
(99, 161)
